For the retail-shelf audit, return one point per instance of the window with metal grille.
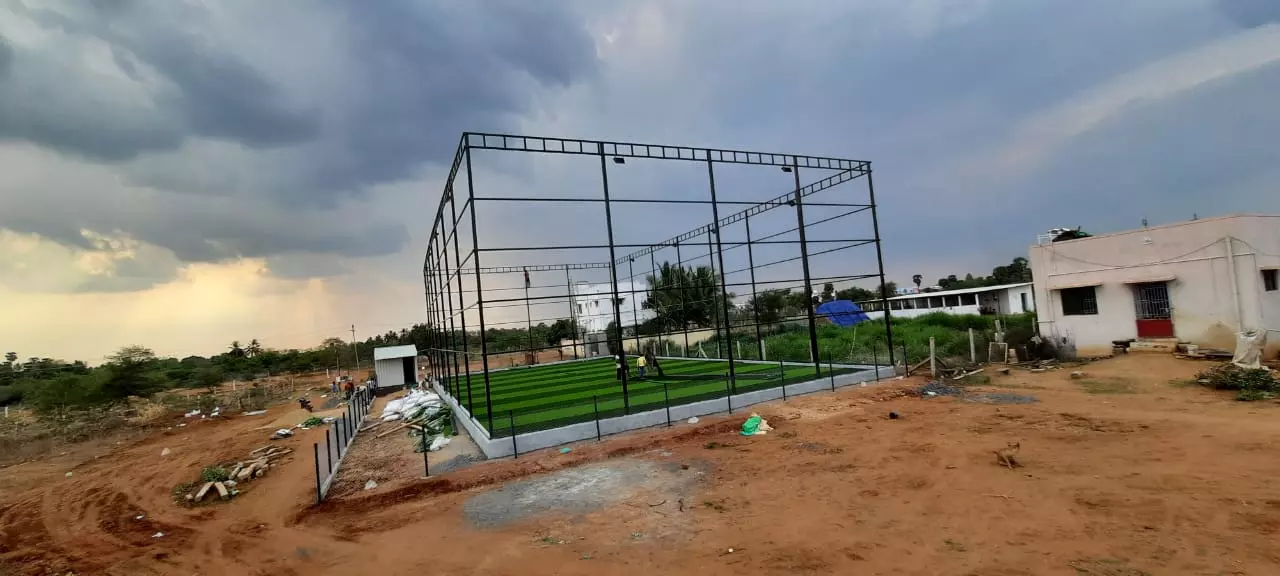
(1151, 301)
(1269, 280)
(952, 301)
(968, 299)
(1079, 301)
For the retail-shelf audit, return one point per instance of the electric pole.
(355, 348)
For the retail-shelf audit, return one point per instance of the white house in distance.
(395, 366)
(1198, 282)
(593, 312)
(1002, 299)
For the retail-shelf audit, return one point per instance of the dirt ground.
(1127, 471)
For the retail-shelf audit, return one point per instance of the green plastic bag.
(750, 427)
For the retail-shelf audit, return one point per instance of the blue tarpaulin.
(842, 312)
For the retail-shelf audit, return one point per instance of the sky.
(184, 173)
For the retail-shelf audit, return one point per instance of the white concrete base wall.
(530, 441)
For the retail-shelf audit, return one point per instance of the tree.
(10, 358)
(769, 305)
(917, 279)
(562, 329)
(888, 289)
(253, 349)
(1016, 272)
(682, 296)
(236, 351)
(828, 292)
(128, 374)
(856, 294)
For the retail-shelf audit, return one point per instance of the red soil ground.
(1128, 471)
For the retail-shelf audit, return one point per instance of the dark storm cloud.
(402, 81)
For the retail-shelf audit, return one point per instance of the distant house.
(1197, 282)
(593, 312)
(395, 366)
(1003, 299)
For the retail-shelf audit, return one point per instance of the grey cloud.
(1251, 13)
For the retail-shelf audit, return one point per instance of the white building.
(1198, 282)
(1002, 299)
(395, 366)
(594, 313)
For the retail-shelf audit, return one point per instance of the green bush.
(215, 474)
(1249, 384)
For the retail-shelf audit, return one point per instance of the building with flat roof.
(395, 366)
(1198, 282)
(1002, 299)
(593, 312)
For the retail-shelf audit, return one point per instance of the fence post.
(595, 405)
(875, 360)
(906, 364)
(515, 451)
(933, 358)
(728, 396)
(426, 467)
(666, 401)
(973, 351)
(328, 452)
(315, 449)
(831, 373)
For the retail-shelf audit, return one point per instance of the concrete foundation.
(528, 442)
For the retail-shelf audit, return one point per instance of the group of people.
(643, 362)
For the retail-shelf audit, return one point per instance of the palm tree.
(236, 350)
(917, 279)
(10, 357)
(253, 349)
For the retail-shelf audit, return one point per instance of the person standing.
(617, 364)
(641, 362)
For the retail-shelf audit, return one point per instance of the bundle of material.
(225, 478)
(412, 406)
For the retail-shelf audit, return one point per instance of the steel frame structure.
(447, 268)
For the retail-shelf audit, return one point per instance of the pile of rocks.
(260, 460)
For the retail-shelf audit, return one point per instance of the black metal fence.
(338, 436)
(712, 255)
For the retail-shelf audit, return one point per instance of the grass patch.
(1183, 383)
(1249, 385)
(1107, 386)
(214, 474)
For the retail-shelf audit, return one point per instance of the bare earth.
(1125, 472)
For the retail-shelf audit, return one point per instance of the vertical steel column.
(451, 362)
(684, 318)
(446, 317)
(808, 284)
(475, 247)
(462, 305)
(613, 275)
(573, 316)
(724, 294)
(884, 294)
(528, 317)
(635, 310)
(755, 304)
(715, 310)
(653, 270)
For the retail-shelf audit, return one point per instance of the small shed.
(395, 366)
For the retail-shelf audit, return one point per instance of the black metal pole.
(875, 359)
(635, 310)
(724, 294)
(613, 275)
(684, 319)
(426, 466)
(755, 305)
(715, 310)
(906, 364)
(728, 397)
(884, 293)
(573, 317)
(315, 450)
(666, 401)
(831, 373)
(328, 451)
(808, 284)
(453, 384)
(515, 451)
(528, 317)
(595, 405)
(466, 357)
(475, 255)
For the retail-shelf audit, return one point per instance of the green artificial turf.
(539, 397)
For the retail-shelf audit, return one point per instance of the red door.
(1155, 318)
